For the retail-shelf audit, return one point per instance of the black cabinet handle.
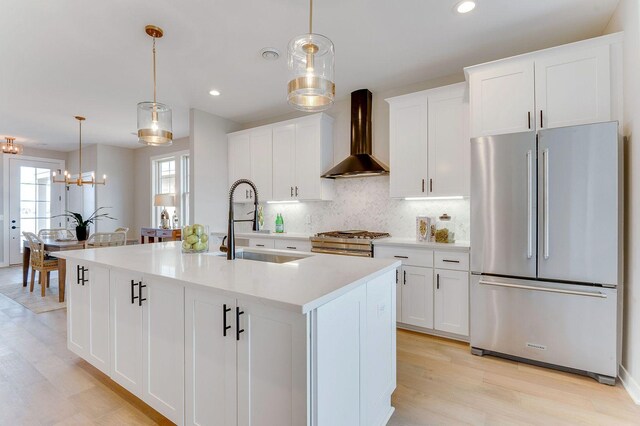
(133, 296)
(405, 277)
(238, 329)
(140, 299)
(292, 248)
(225, 327)
(78, 279)
(401, 257)
(529, 119)
(292, 191)
(259, 245)
(450, 261)
(422, 185)
(541, 125)
(430, 185)
(437, 281)
(13, 227)
(396, 276)
(84, 280)
(296, 191)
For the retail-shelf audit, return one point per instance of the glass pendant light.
(311, 61)
(9, 147)
(154, 118)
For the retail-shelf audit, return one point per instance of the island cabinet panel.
(163, 347)
(88, 314)
(210, 364)
(272, 366)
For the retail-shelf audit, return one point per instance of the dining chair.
(123, 229)
(56, 233)
(40, 261)
(106, 239)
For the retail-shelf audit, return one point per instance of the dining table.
(50, 245)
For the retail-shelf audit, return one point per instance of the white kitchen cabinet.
(451, 301)
(408, 145)
(502, 99)
(573, 88)
(297, 245)
(302, 152)
(429, 143)
(261, 163)
(163, 347)
(563, 86)
(399, 273)
(126, 331)
(88, 322)
(448, 147)
(284, 159)
(272, 365)
(147, 341)
(417, 296)
(240, 165)
(210, 368)
(262, 243)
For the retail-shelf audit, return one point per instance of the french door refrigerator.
(546, 247)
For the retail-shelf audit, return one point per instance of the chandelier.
(311, 59)
(68, 180)
(154, 118)
(11, 148)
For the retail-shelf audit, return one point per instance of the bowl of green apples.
(195, 238)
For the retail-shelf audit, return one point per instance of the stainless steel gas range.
(347, 243)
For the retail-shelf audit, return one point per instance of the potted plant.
(82, 225)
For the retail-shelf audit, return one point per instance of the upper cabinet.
(563, 86)
(285, 160)
(429, 143)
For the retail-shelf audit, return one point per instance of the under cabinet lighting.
(455, 197)
(283, 202)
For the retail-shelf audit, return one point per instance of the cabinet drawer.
(262, 243)
(298, 245)
(452, 260)
(164, 233)
(408, 256)
(148, 232)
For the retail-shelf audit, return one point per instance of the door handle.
(545, 200)
(546, 289)
(430, 185)
(437, 281)
(238, 329)
(529, 204)
(225, 327)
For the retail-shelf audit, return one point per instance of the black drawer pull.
(78, 279)
(140, 299)
(438, 281)
(396, 276)
(401, 257)
(405, 277)
(292, 248)
(225, 327)
(259, 245)
(238, 329)
(450, 261)
(133, 296)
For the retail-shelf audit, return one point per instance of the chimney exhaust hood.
(361, 162)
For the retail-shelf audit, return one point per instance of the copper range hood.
(361, 162)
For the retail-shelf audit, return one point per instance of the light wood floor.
(439, 383)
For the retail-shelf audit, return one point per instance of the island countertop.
(301, 285)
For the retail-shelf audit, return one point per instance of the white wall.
(117, 164)
(627, 18)
(142, 176)
(208, 153)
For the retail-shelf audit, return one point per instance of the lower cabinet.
(88, 314)
(147, 341)
(417, 296)
(451, 301)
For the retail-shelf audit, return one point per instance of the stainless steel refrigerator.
(546, 221)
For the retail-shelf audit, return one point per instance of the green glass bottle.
(279, 224)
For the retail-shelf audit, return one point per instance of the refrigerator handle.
(529, 204)
(545, 201)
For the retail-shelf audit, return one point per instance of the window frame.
(178, 158)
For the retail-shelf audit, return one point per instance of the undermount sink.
(265, 257)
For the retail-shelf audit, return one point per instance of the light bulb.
(154, 126)
(104, 177)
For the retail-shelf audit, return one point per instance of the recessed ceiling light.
(465, 6)
(270, 53)
(214, 93)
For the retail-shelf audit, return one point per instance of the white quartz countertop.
(283, 236)
(412, 243)
(300, 286)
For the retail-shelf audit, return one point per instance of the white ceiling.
(76, 57)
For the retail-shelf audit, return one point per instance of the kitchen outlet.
(308, 219)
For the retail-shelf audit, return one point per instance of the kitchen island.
(271, 338)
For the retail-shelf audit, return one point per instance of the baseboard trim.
(632, 387)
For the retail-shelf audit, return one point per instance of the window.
(171, 176)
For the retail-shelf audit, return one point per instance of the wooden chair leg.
(48, 278)
(33, 278)
(45, 284)
(40, 277)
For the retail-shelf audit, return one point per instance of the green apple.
(198, 229)
(188, 230)
(192, 239)
(199, 247)
(186, 245)
(204, 238)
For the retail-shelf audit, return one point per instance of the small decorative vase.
(81, 232)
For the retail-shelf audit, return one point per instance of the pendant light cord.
(154, 72)
(310, 16)
(80, 150)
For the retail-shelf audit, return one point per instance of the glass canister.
(445, 229)
(195, 238)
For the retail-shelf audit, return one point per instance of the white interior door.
(33, 200)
